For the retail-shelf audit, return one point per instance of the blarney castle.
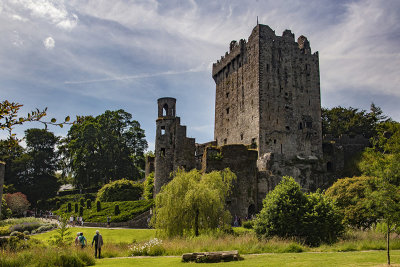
(267, 123)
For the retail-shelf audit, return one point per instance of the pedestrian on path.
(98, 243)
(82, 240)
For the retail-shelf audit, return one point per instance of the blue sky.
(82, 57)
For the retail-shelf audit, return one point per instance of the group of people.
(81, 241)
(79, 220)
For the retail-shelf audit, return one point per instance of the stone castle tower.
(268, 95)
(172, 148)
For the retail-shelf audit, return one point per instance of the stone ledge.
(205, 257)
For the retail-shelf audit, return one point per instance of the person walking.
(98, 243)
(77, 238)
(82, 240)
(108, 221)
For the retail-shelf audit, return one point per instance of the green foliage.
(120, 190)
(116, 210)
(288, 212)
(88, 204)
(5, 210)
(128, 210)
(63, 231)
(81, 211)
(148, 186)
(69, 207)
(98, 205)
(58, 204)
(352, 197)
(105, 148)
(351, 121)
(76, 208)
(82, 201)
(193, 202)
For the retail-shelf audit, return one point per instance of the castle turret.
(173, 149)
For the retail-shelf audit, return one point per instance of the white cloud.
(49, 43)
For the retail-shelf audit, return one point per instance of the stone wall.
(243, 162)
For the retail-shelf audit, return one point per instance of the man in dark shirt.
(98, 243)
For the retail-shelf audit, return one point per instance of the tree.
(352, 197)
(148, 186)
(9, 118)
(35, 169)
(351, 121)
(193, 202)
(288, 212)
(105, 148)
(17, 202)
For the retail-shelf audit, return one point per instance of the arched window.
(165, 110)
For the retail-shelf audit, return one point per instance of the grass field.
(334, 259)
(109, 235)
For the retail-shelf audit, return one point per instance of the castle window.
(227, 95)
(241, 136)
(225, 141)
(281, 149)
(165, 110)
(287, 128)
(162, 130)
(274, 141)
(227, 110)
(300, 125)
(162, 152)
(253, 143)
(267, 67)
(309, 102)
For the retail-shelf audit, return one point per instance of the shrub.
(98, 206)
(33, 232)
(17, 202)
(248, 224)
(288, 212)
(116, 210)
(5, 230)
(148, 186)
(88, 204)
(69, 207)
(25, 226)
(152, 247)
(82, 202)
(81, 211)
(26, 233)
(5, 210)
(120, 190)
(76, 207)
(58, 204)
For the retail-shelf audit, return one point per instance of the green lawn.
(109, 235)
(353, 259)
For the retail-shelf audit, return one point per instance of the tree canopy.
(193, 203)
(105, 148)
(351, 121)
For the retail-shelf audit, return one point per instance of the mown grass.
(334, 259)
(128, 210)
(110, 236)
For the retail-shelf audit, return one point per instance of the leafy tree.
(193, 202)
(352, 197)
(17, 202)
(288, 212)
(352, 121)
(6, 212)
(105, 148)
(120, 190)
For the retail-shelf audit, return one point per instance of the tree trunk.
(387, 243)
(2, 173)
(196, 223)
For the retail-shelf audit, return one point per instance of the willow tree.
(193, 202)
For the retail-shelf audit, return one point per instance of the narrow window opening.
(267, 67)
(227, 111)
(227, 95)
(165, 110)
(225, 141)
(281, 149)
(274, 141)
(309, 102)
(287, 128)
(241, 136)
(162, 130)
(162, 152)
(300, 125)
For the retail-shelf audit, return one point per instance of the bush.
(98, 206)
(120, 190)
(82, 202)
(116, 210)
(25, 226)
(248, 224)
(81, 211)
(5, 230)
(69, 207)
(26, 233)
(148, 186)
(88, 204)
(289, 213)
(5, 210)
(76, 208)
(58, 204)
(17, 202)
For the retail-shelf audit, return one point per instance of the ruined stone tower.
(268, 95)
(172, 148)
